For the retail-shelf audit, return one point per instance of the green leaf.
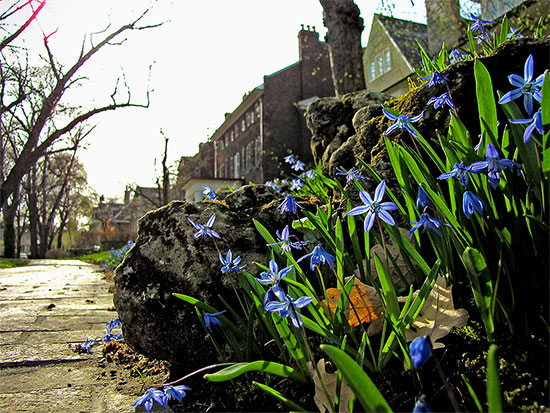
(274, 393)
(263, 366)
(494, 395)
(485, 100)
(482, 287)
(365, 390)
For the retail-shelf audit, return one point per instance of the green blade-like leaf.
(494, 395)
(485, 100)
(263, 366)
(274, 393)
(365, 390)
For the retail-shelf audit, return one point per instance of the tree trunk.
(345, 25)
(33, 213)
(9, 229)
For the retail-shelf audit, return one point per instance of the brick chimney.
(444, 24)
(308, 41)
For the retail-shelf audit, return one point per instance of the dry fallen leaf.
(364, 306)
(330, 380)
(438, 311)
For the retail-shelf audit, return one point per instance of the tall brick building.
(268, 124)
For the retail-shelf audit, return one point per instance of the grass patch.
(12, 262)
(97, 258)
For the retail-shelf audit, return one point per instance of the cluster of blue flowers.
(109, 334)
(161, 397)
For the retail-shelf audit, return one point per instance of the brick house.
(250, 144)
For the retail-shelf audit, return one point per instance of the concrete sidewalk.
(44, 307)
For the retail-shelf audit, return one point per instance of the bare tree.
(345, 25)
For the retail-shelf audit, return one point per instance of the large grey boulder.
(167, 259)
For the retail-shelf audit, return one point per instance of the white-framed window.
(257, 109)
(380, 64)
(232, 136)
(247, 117)
(257, 151)
(226, 140)
(236, 131)
(243, 125)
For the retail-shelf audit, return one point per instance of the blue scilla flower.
(352, 174)
(514, 34)
(273, 276)
(271, 184)
(309, 174)
(209, 194)
(436, 78)
(210, 319)
(403, 122)
(460, 172)
(421, 350)
(299, 166)
(535, 125)
(205, 230)
(150, 397)
(289, 205)
(230, 264)
(290, 159)
(296, 184)
(285, 242)
(374, 208)
(456, 56)
(85, 347)
(525, 86)
(439, 101)
(286, 307)
(427, 222)
(175, 392)
(493, 165)
(422, 200)
(478, 23)
(111, 325)
(319, 257)
(422, 405)
(471, 203)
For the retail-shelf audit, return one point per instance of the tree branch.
(11, 38)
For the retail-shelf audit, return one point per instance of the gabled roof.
(405, 35)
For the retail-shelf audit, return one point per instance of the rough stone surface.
(167, 259)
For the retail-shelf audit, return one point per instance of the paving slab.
(44, 307)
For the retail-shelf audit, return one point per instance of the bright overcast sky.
(207, 55)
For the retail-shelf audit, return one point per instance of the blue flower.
(115, 323)
(436, 78)
(287, 306)
(460, 171)
(525, 86)
(479, 24)
(230, 264)
(175, 392)
(421, 350)
(456, 56)
(109, 336)
(375, 207)
(273, 185)
(210, 319)
(151, 396)
(289, 205)
(318, 257)
(352, 174)
(290, 159)
(299, 166)
(204, 230)
(210, 194)
(85, 347)
(536, 124)
(402, 122)
(309, 174)
(427, 223)
(493, 165)
(471, 203)
(296, 184)
(273, 276)
(442, 100)
(422, 405)
(285, 242)
(422, 200)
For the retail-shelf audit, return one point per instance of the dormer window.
(379, 65)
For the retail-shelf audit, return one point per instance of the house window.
(251, 116)
(379, 65)
(247, 116)
(226, 140)
(221, 171)
(232, 136)
(236, 131)
(257, 151)
(236, 165)
(243, 125)
(257, 109)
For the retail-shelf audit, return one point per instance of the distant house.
(392, 54)
(250, 144)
